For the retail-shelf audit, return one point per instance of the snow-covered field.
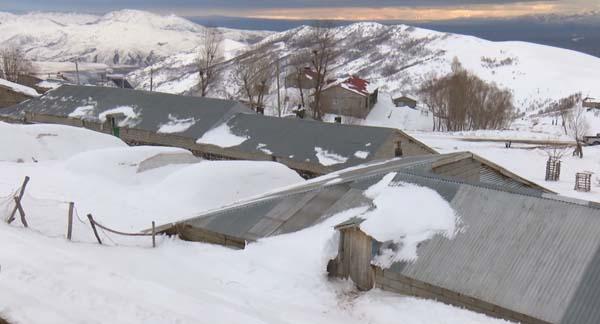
(46, 279)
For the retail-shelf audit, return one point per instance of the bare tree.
(563, 108)
(462, 101)
(299, 62)
(253, 75)
(209, 56)
(323, 55)
(555, 152)
(14, 64)
(577, 126)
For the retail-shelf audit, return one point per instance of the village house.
(353, 97)
(405, 101)
(13, 93)
(306, 80)
(591, 103)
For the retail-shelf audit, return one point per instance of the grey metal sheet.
(520, 252)
(296, 138)
(312, 211)
(155, 108)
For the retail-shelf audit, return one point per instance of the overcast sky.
(318, 9)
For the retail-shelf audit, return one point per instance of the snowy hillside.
(126, 37)
(397, 58)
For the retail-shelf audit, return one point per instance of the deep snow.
(46, 279)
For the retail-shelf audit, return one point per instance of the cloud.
(322, 9)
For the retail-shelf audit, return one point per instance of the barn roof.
(334, 145)
(519, 248)
(152, 109)
(353, 84)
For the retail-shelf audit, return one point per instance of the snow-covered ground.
(47, 279)
(126, 187)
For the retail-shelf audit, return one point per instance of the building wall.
(337, 100)
(465, 169)
(10, 98)
(354, 262)
(396, 282)
(410, 147)
(354, 258)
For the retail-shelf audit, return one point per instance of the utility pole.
(278, 91)
(77, 69)
(151, 78)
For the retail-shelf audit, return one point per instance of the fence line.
(19, 193)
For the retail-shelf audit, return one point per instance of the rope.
(120, 233)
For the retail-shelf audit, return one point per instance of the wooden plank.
(70, 220)
(93, 224)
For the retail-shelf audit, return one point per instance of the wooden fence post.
(93, 224)
(70, 221)
(153, 235)
(18, 203)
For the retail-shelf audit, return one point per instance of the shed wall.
(337, 100)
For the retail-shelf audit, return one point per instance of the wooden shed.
(354, 255)
(405, 101)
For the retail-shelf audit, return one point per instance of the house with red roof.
(354, 97)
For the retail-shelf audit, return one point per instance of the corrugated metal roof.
(298, 139)
(517, 251)
(518, 248)
(155, 108)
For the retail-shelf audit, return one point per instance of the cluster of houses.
(523, 253)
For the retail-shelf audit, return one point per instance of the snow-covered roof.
(30, 92)
(511, 248)
(331, 145)
(354, 84)
(153, 111)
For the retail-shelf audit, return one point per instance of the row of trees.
(14, 64)
(462, 101)
(255, 70)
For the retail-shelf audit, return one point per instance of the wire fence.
(57, 218)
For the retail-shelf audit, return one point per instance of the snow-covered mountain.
(398, 58)
(121, 37)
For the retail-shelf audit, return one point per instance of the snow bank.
(210, 184)
(47, 280)
(121, 164)
(29, 143)
(19, 88)
(327, 158)
(177, 125)
(423, 213)
(131, 115)
(222, 136)
(361, 154)
(82, 112)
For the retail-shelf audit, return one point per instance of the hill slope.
(121, 37)
(398, 58)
